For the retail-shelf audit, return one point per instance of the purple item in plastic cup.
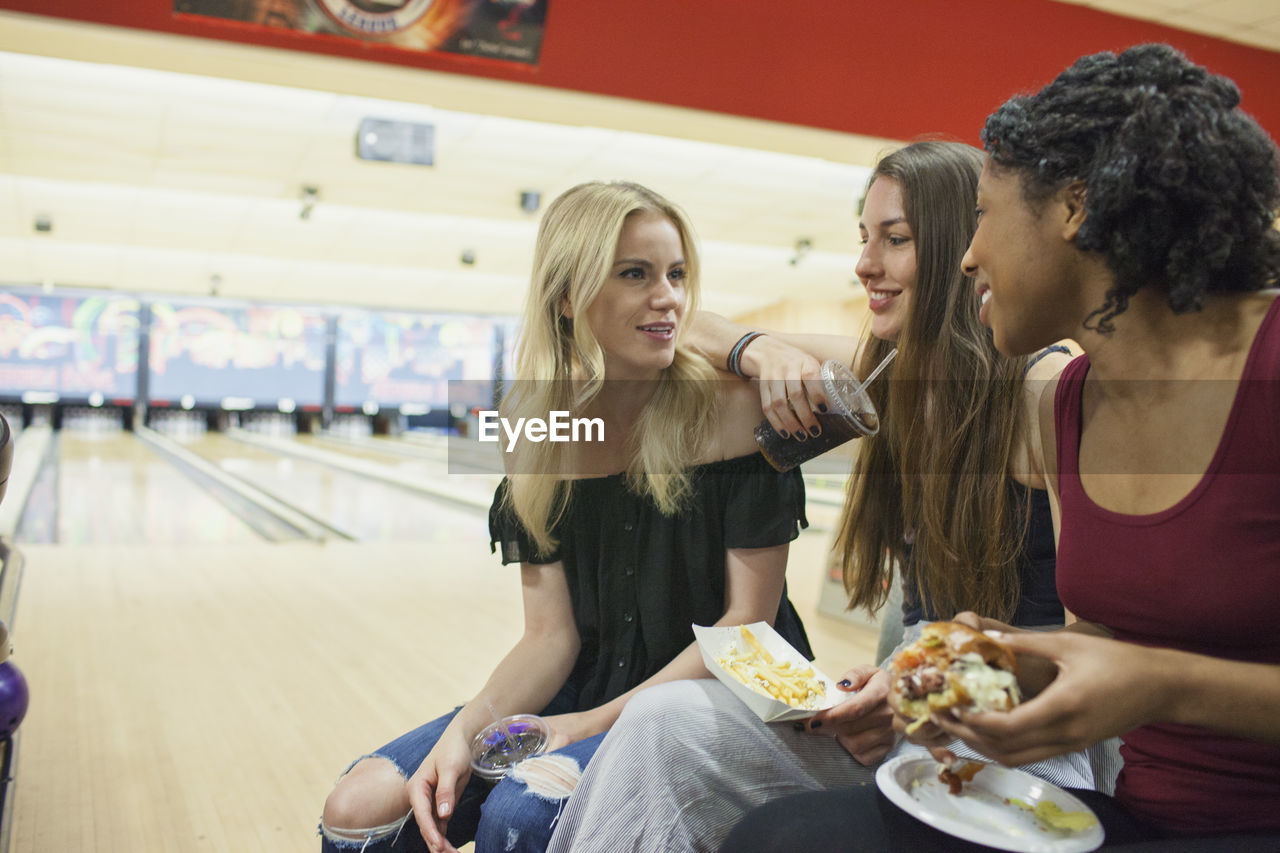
(502, 745)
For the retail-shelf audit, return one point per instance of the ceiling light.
(308, 196)
(803, 245)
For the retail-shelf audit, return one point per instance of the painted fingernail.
(784, 434)
(844, 682)
(822, 407)
(798, 725)
(814, 430)
(816, 724)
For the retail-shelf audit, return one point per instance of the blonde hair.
(560, 365)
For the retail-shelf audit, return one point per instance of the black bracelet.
(735, 354)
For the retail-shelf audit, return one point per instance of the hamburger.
(953, 666)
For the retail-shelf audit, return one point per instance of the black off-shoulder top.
(639, 579)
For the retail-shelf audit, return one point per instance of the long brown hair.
(937, 472)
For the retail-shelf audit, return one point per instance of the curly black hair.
(1182, 188)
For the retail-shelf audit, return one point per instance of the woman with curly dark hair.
(1131, 205)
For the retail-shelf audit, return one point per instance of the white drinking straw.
(879, 367)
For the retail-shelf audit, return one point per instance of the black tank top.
(1038, 602)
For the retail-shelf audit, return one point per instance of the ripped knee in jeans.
(551, 777)
(349, 821)
(359, 839)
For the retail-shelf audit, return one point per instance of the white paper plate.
(716, 642)
(981, 812)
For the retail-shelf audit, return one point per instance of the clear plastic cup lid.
(502, 745)
(845, 392)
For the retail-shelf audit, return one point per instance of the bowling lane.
(363, 508)
(409, 460)
(112, 489)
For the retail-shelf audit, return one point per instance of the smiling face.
(887, 266)
(638, 310)
(1022, 259)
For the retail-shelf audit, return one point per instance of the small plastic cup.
(502, 745)
(850, 415)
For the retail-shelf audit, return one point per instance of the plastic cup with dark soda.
(502, 745)
(850, 414)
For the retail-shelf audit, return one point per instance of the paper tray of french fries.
(766, 672)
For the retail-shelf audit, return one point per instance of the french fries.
(756, 668)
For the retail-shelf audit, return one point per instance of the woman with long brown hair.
(950, 491)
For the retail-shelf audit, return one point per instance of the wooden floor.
(205, 698)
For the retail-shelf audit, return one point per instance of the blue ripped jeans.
(499, 818)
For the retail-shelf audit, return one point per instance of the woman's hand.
(1104, 688)
(863, 723)
(790, 385)
(1034, 672)
(435, 787)
(929, 734)
(982, 623)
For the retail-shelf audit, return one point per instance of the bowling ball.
(13, 698)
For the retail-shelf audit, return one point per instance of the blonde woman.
(671, 519)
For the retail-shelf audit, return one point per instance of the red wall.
(891, 69)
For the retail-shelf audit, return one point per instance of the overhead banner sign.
(504, 30)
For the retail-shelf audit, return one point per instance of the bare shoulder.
(1050, 361)
(1041, 380)
(1040, 391)
(738, 412)
(1033, 460)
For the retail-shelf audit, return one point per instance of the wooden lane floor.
(205, 699)
(409, 458)
(113, 489)
(361, 507)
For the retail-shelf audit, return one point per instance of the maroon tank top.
(1202, 576)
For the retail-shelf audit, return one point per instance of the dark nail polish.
(822, 407)
(844, 682)
(816, 724)
(785, 434)
(798, 725)
(814, 431)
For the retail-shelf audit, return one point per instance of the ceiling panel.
(1252, 22)
(161, 181)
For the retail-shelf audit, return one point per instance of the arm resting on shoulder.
(787, 366)
(713, 336)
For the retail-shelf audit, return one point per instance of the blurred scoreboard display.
(68, 347)
(254, 354)
(407, 360)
